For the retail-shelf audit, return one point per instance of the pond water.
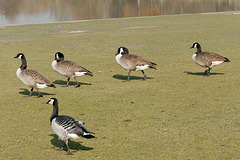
(43, 11)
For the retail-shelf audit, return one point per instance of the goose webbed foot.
(207, 72)
(68, 149)
(78, 85)
(40, 95)
(144, 78)
(69, 153)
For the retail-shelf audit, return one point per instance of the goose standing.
(132, 62)
(30, 77)
(207, 59)
(66, 127)
(68, 68)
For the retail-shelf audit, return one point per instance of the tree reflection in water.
(40, 11)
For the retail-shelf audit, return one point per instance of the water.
(42, 11)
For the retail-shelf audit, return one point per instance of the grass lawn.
(177, 113)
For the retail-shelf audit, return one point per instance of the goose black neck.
(24, 63)
(199, 49)
(62, 58)
(55, 110)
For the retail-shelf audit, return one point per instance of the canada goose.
(68, 68)
(66, 127)
(132, 62)
(207, 59)
(31, 78)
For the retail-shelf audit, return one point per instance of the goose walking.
(207, 59)
(30, 77)
(132, 62)
(69, 68)
(66, 127)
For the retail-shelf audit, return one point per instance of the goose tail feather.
(154, 64)
(227, 60)
(88, 136)
(51, 85)
(89, 74)
(152, 67)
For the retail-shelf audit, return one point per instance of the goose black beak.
(48, 102)
(15, 57)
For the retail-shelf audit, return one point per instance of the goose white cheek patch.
(121, 50)
(51, 101)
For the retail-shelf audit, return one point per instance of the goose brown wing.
(211, 56)
(72, 67)
(36, 76)
(137, 60)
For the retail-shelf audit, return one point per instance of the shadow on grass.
(122, 77)
(72, 144)
(34, 93)
(71, 83)
(202, 73)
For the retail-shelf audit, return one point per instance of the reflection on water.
(40, 11)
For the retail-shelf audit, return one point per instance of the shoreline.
(88, 20)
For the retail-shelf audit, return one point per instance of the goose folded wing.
(71, 125)
(136, 60)
(36, 76)
(73, 67)
(213, 56)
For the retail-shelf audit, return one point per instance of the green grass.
(177, 113)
